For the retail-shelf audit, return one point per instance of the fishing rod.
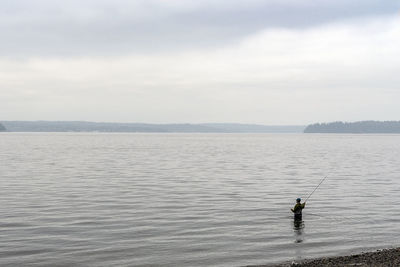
(316, 188)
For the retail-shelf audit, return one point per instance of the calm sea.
(94, 199)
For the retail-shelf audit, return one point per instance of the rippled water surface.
(95, 199)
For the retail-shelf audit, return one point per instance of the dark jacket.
(297, 209)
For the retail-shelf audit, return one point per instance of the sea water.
(102, 199)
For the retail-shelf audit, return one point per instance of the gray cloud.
(270, 61)
(338, 71)
(109, 27)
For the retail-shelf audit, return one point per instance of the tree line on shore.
(332, 127)
(355, 127)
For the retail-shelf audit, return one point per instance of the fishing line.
(316, 188)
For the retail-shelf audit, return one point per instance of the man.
(297, 209)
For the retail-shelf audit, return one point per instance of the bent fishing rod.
(316, 188)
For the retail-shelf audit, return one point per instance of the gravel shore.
(380, 258)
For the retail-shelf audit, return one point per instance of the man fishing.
(297, 210)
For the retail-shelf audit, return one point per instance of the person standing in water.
(297, 210)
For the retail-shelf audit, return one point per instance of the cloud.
(114, 28)
(337, 71)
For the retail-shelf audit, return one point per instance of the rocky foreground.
(380, 258)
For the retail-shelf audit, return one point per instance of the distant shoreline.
(110, 127)
(360, 127)
(379, 258)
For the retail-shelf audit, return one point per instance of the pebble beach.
(380, 258)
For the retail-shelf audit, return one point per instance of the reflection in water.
(298, 227)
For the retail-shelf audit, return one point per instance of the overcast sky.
(271, 62)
